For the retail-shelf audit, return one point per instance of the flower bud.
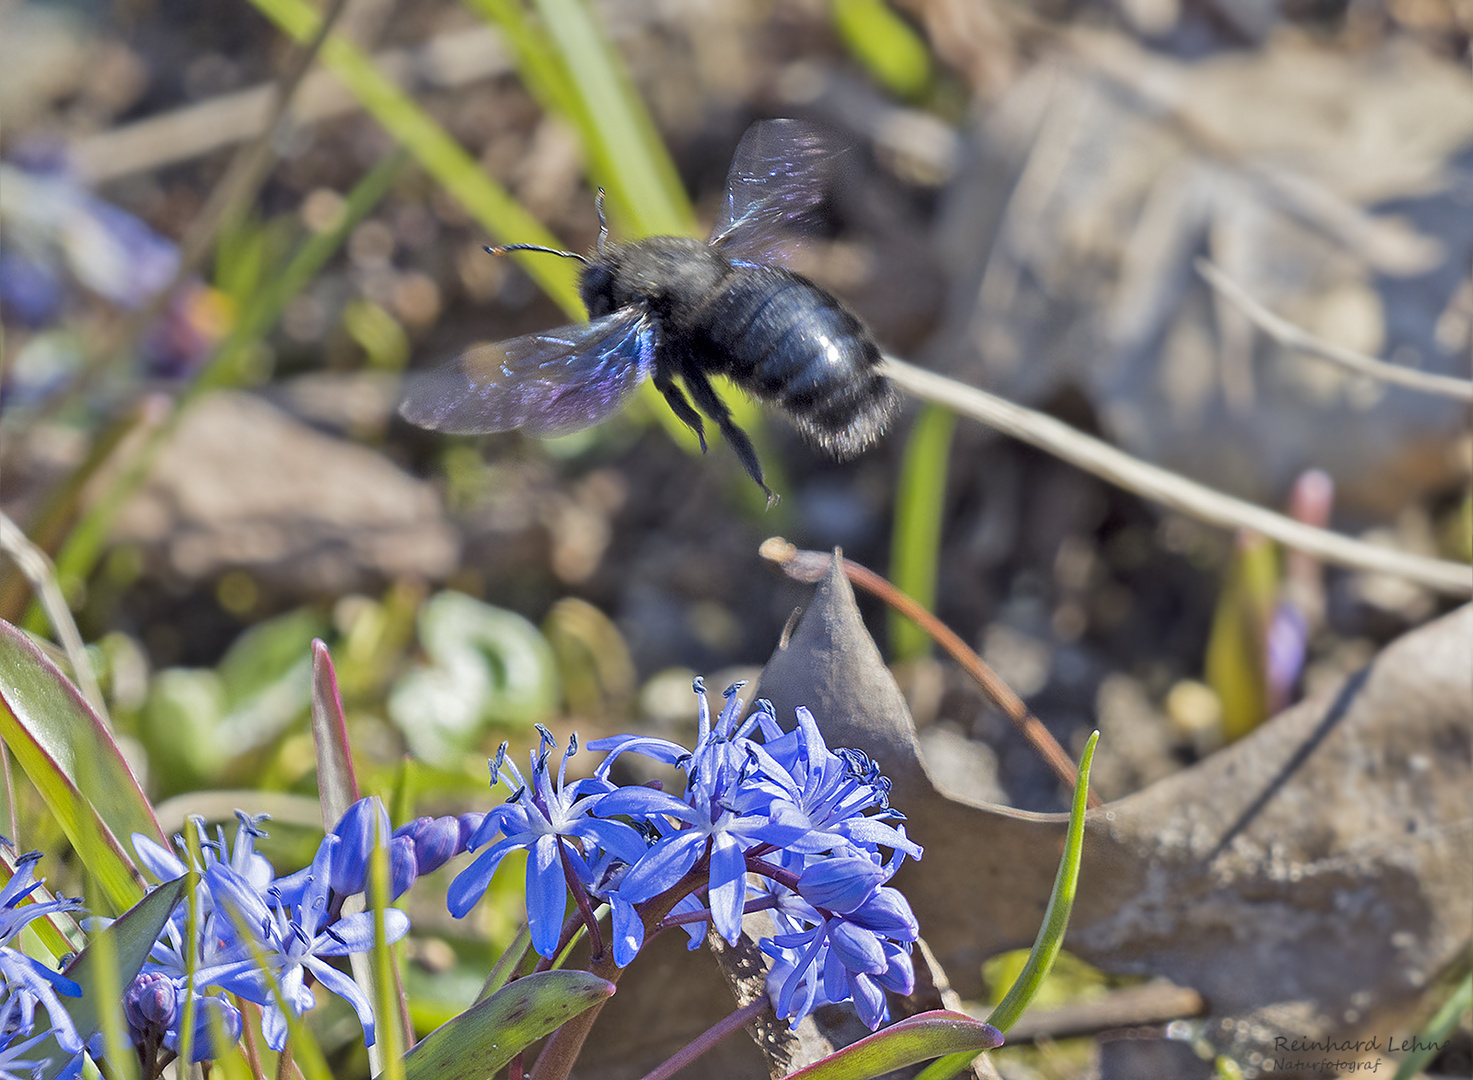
(841, 883)
(151, 1004)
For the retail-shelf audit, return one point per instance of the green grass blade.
(1050, 935)
(920, 505)
(387, 996)
(437, 153)
(885, 43)
(1435, 1035)
(628, 154)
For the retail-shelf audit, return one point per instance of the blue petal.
(887, 913)
(869, 1000)
(900, 976)
(643, 802)
(786, 825)
(354, 933)
(728, 886)
(857, 947)
(363, 825)
(547, 895)
(157, 859)
(840, 884)
(628, 931)
(613, 836)
(662, 866)
(273, 1026)
(659, 749)
(349, 991)
(835, 976)
(243, 906)
(863, 830)
(471, 883)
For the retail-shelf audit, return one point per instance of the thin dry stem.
(812, 565)
(1296, 337)
(1172, 489)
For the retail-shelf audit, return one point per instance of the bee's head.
(596, 286)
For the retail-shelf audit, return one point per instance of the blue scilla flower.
(29, 982)
(296, 942)
(857, 956)
(718, 819)
(823, 796)
(551, 821)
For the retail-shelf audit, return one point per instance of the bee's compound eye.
(597, 290)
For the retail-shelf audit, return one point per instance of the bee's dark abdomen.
(787, 341)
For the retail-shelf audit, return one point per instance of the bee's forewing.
(547, 384)
(777, 179)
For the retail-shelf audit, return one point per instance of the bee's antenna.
(502, 249)
(603, 223)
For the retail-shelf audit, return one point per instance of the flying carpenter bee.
(676, 308)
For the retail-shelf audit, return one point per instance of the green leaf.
(1056, 917)
(919, 1038)
(1050, 935)
(71, 758)
(491, 666)
(123, 947)
(337, 785)
(920, 504)
(484, 1038)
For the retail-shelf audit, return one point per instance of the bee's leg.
(681, 407)
(712, 405)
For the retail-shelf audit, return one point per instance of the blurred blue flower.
(295, 941)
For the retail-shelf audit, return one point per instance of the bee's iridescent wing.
(777, 180)
(546, 384)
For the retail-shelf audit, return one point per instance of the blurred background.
(209, 304)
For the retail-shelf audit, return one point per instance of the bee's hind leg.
(712, 405)
(681, 407)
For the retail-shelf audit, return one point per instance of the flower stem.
(728, 1025)
(777, 873)
(705, 913)
(563, 1046)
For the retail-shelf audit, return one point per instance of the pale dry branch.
(1172, 489)
(1296, 337)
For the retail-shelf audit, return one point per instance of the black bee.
(675, 307)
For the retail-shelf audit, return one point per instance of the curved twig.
(810, 566)
(1296, 337)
